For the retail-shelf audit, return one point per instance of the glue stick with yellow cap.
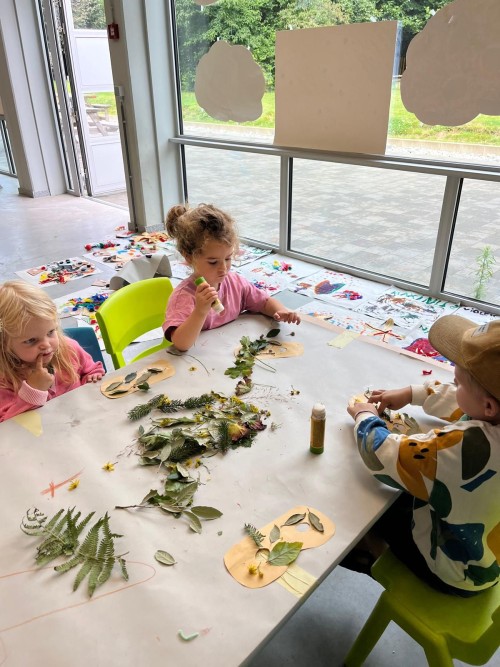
(216, 305)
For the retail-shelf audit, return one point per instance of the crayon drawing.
(274, 273)
(248, 253)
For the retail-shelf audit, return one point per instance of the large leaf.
(194, 522)
(164, 557)
(284, 553)
(206, 513)
(295, 518)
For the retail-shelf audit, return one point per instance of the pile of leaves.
(246, 358)
(216, 424)
(95, 555)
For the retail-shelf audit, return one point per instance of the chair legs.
(371, 632)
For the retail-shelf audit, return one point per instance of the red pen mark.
(52, 487)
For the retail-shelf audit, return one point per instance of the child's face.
(213, 263)
(39, 338)
(468, 398)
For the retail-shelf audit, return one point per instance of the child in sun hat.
(445, 526)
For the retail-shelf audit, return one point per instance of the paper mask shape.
(116, 387)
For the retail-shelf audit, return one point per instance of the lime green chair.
(130, 312)
(446, 626)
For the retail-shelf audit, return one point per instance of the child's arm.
(275, 309)
(436, 398)
(28, 398)
(87, 369)
(185, 335)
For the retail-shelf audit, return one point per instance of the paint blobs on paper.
(452, 66)
(61, 271)
(229, 83)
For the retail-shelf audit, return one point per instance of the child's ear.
(491, 408)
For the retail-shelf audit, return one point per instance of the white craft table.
(42, 622)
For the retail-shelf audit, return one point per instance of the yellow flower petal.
(73, 485)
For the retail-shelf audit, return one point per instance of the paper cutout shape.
(117, 391)
(285, 349)
(453, 65)
(333, 86)
(296, 580)
(343, 339)
(31, 421)
(229, 83)
(243, 554)
(141, 268)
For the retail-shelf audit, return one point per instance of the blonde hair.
(19, 303)
(192, 228)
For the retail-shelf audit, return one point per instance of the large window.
(392, 215)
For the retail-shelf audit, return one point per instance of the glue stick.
(216, 305)
(318, 419)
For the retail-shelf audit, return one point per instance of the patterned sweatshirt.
(453, 474)
(12, 403)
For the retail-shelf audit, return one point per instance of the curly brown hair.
(192, 228)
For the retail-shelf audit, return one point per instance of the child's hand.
(289, 316)
(394, 399)
(356, 408)
(205, 295)
(95, 377)
(39, 377)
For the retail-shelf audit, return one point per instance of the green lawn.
(483, 130)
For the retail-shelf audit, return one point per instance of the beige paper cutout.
(453, 65)
(168, 371)
(238, 559)
(31, 421)
(333, 86)
(343, 339)
(296, 580)
(229, 83)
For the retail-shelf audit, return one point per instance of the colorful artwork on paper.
(337, 288)
(116, 257)
(475, 315)
(180, 269)
(61, 271)
(248, 253)
(81, 305)
(408, 309)
(275, 272)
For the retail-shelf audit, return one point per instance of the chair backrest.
(130, 312)
(87, 339)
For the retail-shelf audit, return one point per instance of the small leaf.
(113, 385)
(130, 377)
(156, 370)
(117, 391)
(164, 558)
(295, 518)
(284, 553)
(272, 333)
(143, 378)
(206, 513)
(194, 522)
(315, 522)
(144, 386)
(275, 534)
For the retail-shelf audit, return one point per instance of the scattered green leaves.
(245, 360)
(95, 556)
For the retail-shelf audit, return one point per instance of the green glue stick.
(318, 418)
(216, 305)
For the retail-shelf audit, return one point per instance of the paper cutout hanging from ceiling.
(333, 86)
(229, 84)
(453, 65)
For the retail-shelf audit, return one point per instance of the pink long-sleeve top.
(28, 398)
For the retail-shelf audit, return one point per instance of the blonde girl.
(37, 361)
(207, 239)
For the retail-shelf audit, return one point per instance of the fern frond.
(144, 409)
(96, 556)
(254, 534)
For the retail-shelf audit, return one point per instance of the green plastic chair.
(130, 312)
(446, 626)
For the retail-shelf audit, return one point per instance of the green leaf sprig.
(246, 358)
(95, 555)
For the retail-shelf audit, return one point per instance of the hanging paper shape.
(229, 84)
(453, 65)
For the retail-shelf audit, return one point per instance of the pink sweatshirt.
(28, 398)
(236, 294)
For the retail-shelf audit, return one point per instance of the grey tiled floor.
(321, 632)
